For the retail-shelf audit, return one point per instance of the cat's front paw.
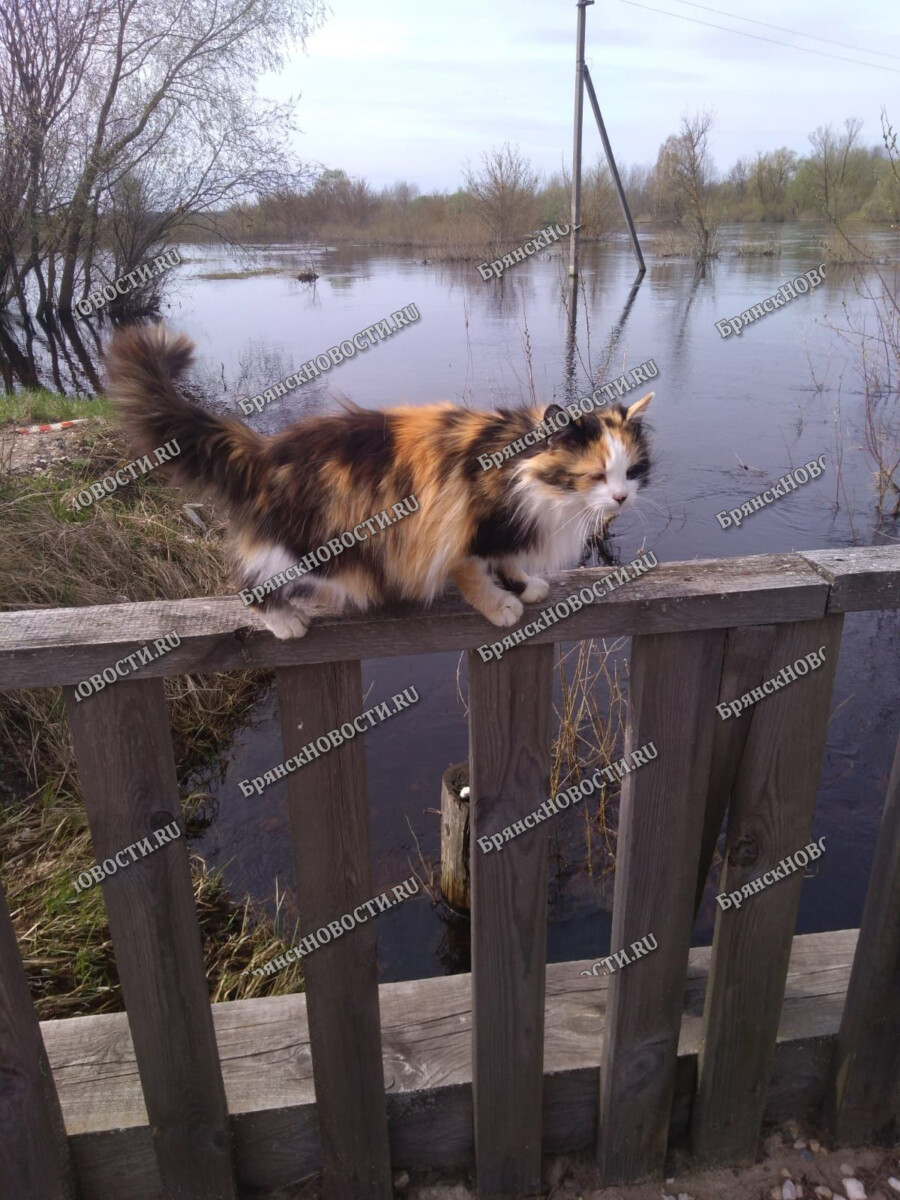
(286, 623)
(504, 610)
(535, 590)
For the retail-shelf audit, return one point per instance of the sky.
(412, 90)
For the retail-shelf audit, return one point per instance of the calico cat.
(491, 532)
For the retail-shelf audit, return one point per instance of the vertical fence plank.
(771, 814)
(674, 687)
(510, 704)
(863, 1097)
(747, 650)
(34, 1154)
(330, 834)
(124, 752)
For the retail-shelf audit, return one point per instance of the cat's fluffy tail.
(220, 454)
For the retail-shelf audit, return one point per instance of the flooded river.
(730, 416)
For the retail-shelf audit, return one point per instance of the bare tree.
(739, 177)
(636, 181)
(400, 195)
(771, 174)
(504, 190)
(693, 177)
(666, 198)
(44, 52)
(831, 163)
(599, 201)
(155, 97)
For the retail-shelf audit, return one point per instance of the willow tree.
(154, 100)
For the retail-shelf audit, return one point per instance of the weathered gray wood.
(58, 646)
(510, 704)
(674, 688)
(35, 1163)
(860, 577)
(455, 832)
(427, 1030)
(771, 814)
(124, 752)
(864, 1089)
(746, 655)
(329, 818)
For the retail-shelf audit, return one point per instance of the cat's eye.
(636, 471)
(599, 477)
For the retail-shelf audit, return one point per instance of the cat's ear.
(553, 412)
(638, 407)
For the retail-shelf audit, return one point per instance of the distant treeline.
(840, 177)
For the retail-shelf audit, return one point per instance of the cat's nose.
(620, 497)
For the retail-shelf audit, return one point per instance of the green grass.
(39, 407)
(135, 545)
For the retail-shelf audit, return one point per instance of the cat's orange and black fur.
(492, 533)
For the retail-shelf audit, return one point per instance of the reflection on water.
(729, 417)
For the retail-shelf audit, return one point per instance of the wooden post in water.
(455, 837)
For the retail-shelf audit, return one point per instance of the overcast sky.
(406, 90)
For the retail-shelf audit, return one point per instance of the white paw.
(536, 590)
(285, 623)
(504, 609)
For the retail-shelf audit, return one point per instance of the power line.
(781, 28)
(758, 37)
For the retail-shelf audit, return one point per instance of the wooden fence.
(186, 1099)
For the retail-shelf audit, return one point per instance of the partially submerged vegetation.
(591, 715)
(246, 273)
(875, 335)
(758, 250)
(140, 544)
(503, 195)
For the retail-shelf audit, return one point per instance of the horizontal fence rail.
(689, 1046)
(66, 645)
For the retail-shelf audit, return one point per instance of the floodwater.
(729, 417)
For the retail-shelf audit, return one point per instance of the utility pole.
(614, 171)
(576, 142)
(582, 79)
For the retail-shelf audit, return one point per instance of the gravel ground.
(25, 453)
(793, 1165)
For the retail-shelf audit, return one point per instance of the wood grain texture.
(427, 1055)
(860, 577)
(57, 646)
(124, 752)
(35, 1163)
(770, 817)
(864, 1088)
(510, 704)
(329, 817)
(674, 686)
(455, 832)
(743, 666)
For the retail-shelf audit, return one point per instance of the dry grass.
(758, 250)
(591, 726)
(247, 273)
(672, 244)
(138, 544)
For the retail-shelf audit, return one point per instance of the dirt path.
(793, 1166)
